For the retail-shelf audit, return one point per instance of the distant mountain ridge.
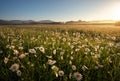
(53, 22)
(77, 22)
(28, 22)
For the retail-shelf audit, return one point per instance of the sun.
(116, 13)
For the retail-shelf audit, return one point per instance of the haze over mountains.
(54, 22)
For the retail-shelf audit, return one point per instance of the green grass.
(94, 52)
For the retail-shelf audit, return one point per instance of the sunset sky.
(60, 10)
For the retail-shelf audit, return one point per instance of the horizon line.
(62, 20)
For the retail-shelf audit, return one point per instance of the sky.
(59, 10)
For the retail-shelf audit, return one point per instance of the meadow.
(59, 53)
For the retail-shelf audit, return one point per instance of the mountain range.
(28, 22)
(53, 22)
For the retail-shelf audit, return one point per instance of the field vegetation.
(59, 53)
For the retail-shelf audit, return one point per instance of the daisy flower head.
(54, 68)
(51, 62)
(18, 73)
(42, 49)
(60, 73)
(14, 67)
(74, 67)
(32, 51)
(78, 76)
(22, 56)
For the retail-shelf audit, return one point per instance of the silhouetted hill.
(45, 21)
(77, 22)
(53, 22)
(28, 22)
(3, 22)
(98, 22)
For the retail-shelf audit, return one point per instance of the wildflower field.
(59, 53)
